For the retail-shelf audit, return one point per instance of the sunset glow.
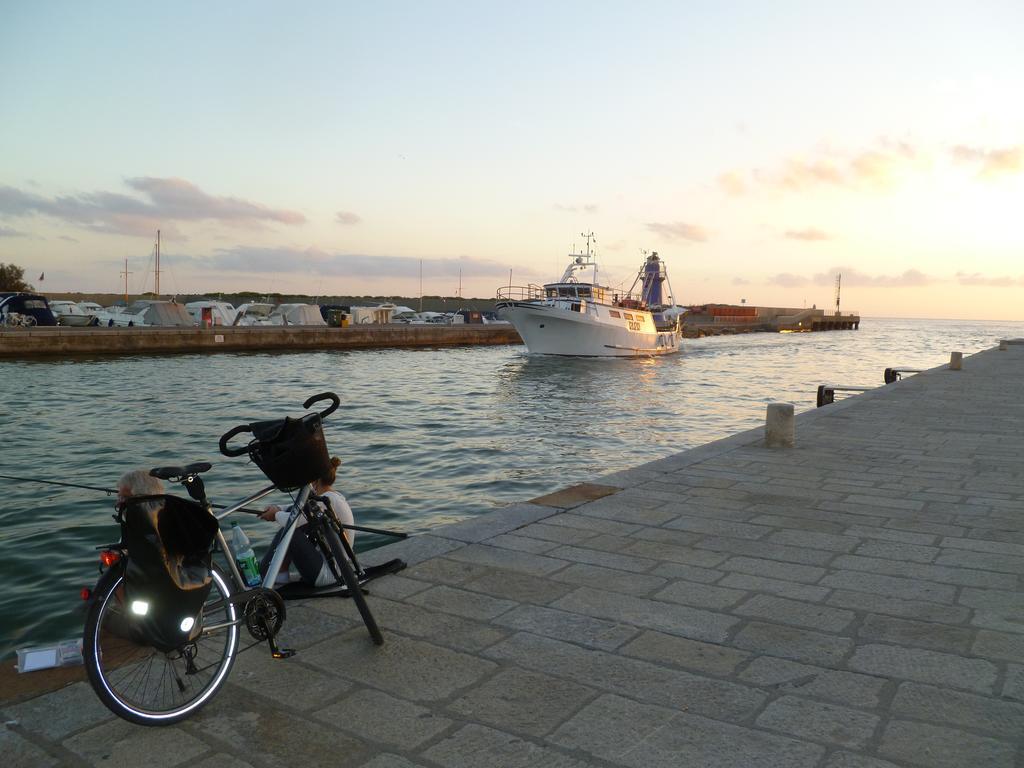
(334, 149)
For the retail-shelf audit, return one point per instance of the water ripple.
(426, 436)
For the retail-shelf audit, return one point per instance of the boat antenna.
(590, 238)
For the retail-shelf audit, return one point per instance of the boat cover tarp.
(166, 313)
(303, 314)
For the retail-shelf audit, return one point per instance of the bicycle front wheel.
(144, 685)
(355, 592)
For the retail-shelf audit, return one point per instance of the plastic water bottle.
(246, 557)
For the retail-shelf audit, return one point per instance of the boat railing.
(520, 293)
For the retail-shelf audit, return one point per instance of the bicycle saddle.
(169, 473)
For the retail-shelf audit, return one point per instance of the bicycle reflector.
(86, 593)
(109, 557)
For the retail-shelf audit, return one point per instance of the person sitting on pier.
(302, 552)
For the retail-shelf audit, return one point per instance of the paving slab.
(854, 602)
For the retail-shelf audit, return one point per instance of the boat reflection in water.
(586, 319)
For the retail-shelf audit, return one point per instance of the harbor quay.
(67, 342)
(851, 601)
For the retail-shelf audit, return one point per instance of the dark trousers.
(302, 553)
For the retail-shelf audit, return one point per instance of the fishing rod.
(249, 510)
(363, 528)
(108, 491)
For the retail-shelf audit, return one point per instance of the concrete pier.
(68, 342)
(852, 602)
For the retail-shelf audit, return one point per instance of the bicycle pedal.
(283, 653)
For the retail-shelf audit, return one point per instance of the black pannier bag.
(291, 452)
(167, 580)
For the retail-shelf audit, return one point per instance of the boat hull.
(548, 330)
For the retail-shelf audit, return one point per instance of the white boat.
(586, 319)
(220, 312)
(146, 313)
(71, 314)
(381, 314)
(297, 314)
(254, 313)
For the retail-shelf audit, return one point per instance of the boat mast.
(158, 263)
(126, 273)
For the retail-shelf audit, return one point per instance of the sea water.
(426, 437)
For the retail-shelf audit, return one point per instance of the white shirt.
(339, 506)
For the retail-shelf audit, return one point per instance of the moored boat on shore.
(586, 319)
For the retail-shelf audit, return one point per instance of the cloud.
(244, 258)
(586, 208)
(8, 232)
(733, 184)
(807, 235)
(990, 162)
(976, 278)
(876, 166)
(163, 202)
(679, 230)
(347, 218)
(68, 238)
(740, 281)
(911, 278)
(788, 280)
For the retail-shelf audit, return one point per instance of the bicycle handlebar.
(226, 437)
(230, 434)
(335, 402)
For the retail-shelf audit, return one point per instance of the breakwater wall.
(65, 342)
(719, 319)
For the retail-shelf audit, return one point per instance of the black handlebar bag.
(291, 452)
(167, 579)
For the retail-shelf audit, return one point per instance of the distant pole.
(158, 263)
(421, 285)
(839, 282)
(126, 273)
(460, 285)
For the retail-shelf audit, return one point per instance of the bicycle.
(161, 678)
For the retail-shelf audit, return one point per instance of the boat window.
(614, 313)
(583, 291)
(628, 316)
(34, 304)
(575, 307)
(567, 291)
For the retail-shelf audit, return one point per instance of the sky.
(341, 148)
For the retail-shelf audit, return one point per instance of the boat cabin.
(576, 291)
(27, 305)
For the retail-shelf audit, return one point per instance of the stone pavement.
(853, 602)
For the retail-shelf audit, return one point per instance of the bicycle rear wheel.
(354, 590)
(146, 686)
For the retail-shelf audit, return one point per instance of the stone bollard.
(956, 361)
(779, 426)
(1002, 345)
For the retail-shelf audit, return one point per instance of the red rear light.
(86, 593)
(108, 558)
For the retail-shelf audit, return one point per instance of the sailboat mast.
(158, 263)
(126, 273)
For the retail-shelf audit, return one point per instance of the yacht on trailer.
(586, 319)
